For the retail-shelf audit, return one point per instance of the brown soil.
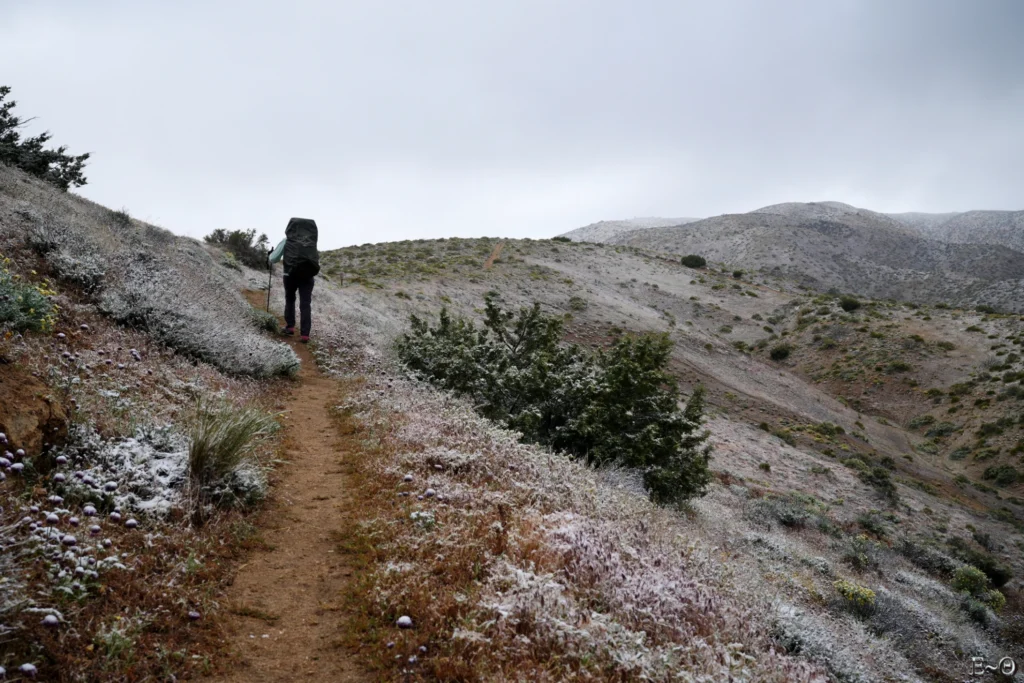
(285, 601)
(29, 416)
(494, 256)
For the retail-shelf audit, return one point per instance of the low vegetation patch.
(24, 306)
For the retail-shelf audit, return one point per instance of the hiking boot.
(288, 331)
(304, 339)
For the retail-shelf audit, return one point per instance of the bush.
(898, 366)
(940, 430)
(849, 304)
(577, 303)
(921, 421)
(243, 244)
(1003, 475)
(24, 306)
(30, 155)
(72, 258)
(857, 598)
(221, 436)
(996, 572)
(614, 406)
(694, 261)
(781, 352)
(861, 553)
(262, 320)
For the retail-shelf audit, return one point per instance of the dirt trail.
(494, 255)
(285, 601)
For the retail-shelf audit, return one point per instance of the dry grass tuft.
(221, 436)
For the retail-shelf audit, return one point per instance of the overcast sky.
(387, 120)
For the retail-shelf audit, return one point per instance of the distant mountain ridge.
(969, 258)
(602, 231)
(1005, 228)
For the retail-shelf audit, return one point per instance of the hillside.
(603, 231)
(832, 246)
(1004, 228)
(928, 393)
(865, 520)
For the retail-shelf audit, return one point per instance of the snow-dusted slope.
(1003, 228)
(603, 231)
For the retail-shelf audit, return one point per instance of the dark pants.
(305, 290)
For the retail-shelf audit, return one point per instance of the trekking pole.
(270, 283)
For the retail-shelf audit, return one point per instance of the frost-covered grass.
(220, 438)
(516, 564)
(141, 276)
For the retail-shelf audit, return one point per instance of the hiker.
(301, 264)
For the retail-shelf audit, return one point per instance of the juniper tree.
(619, 406)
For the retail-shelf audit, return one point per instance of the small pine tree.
(694, 261)
(31, 154)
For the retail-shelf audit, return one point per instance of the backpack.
(301, 259)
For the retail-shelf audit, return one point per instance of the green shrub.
(973, 582)
(263, 320)
(921, 421)
(940, 430)
(849, 303)
(614, 406)
(243, 244)
(24, 306)
(871, 521)
(861, 553)
(577, 303)
(857, 598)
(781, 352)
(1002, 475)
(694, 261)
(998, 573)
